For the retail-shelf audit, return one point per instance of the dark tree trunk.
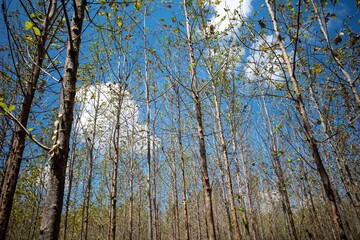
(18, 139)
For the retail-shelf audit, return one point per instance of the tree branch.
(46, 148)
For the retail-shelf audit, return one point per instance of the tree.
(51, 215)
(18, 139)
(299, 101)
(202, 148)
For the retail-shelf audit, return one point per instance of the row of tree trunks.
(300, 106)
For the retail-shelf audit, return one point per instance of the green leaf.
(317, 69)
(11, 108)
(36, 31)
(28, 25)
(3, 105)
(32, 15)
(278, 127)
(137, 5)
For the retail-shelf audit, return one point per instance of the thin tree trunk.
(91, 145)
(148, 139)
(71, 177)
(243, 210)
(89, 181)
(335, 215)
(183, 176)
(315, 216)
(157, 223)
(229, 231)
(349, 186)
(176, 202)
(139, 218)
(249, 194)
(200, 237)
(17, 147)
(131, 214)
(280, 178)
(224, 148)
(115, 163)
(202, 147)
(337, 60)
(113, 198)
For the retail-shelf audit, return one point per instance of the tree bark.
(51, 216)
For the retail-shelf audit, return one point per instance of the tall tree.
(51, 216)
(299, 101)
(18, 139)
(201, 137)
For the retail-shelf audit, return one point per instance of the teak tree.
(299, 101)
(18, 139)
(51, 215)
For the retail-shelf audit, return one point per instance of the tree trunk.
(115, 163)
(175, 201)
(17, 147)
(331, 139)
(131, 214)
(224, 148)
(335, 215)
(249, 194)
(70, 180)
(199, 228)
(148, 139)
(202, 148)
(113, 198)
(91, 146)
(183, 176)
(89, 182)
(280, 175)
(51, 217)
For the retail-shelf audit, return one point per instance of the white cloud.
(105, 102)
(263, 63)
(225, 9)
